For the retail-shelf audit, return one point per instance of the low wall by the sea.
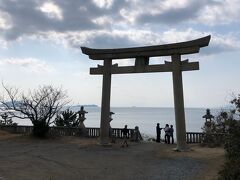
(66, 131)
(191, 137)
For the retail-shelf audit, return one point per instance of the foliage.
(40, 106)
(215, 130)
(231, 169)
(40, 128)
(67, 118)
(6, 120)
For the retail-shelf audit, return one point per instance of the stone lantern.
(111, 134)
(110, 117)
(208, 118)
(81, 118)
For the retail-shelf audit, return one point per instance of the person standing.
(171, 130)
(125, 133)
(158, 131)
(167, 134)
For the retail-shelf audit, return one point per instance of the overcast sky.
(40, 45)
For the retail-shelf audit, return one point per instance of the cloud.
(28, 17)
(29, 64)
(3, 43)
(218, 43)
(169, 12)
(93, 38)
(114, 24)
(222, 12)
(223, 44)
(31, 17)
(172, 12)
(51, 10)
(130, 38)
(5, 21)
(103, 20)
(103, 3)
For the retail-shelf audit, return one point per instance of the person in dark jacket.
(158, 131)
(171, 130)
(125, 133)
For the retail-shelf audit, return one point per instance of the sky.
(40, 44)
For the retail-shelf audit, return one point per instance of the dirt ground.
(23, 158)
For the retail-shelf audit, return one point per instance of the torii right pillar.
(179, 103)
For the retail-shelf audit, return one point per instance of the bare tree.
(40, 106)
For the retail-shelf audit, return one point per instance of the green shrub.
(6, 120)
(67, 118)
(232, 145)
(231, 168)
(40, 129)
(230, 171)
(214, 131)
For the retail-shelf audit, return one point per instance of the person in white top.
(167, 134)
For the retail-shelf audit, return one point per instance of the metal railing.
(191, 137)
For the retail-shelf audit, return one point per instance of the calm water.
(145, 118)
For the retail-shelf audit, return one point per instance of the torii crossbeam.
(142, 55)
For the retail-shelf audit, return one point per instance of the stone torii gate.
(142, 55)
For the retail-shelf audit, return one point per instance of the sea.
(146, 118)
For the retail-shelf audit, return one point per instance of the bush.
(215, 131)
(6, 120)
(40, 129)
(67, 118)
(231, 169)
(232, 144)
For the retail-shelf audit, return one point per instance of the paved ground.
(73, 158)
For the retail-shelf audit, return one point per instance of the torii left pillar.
(179, 103)
(105, 108)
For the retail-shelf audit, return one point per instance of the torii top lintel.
(187, 47)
